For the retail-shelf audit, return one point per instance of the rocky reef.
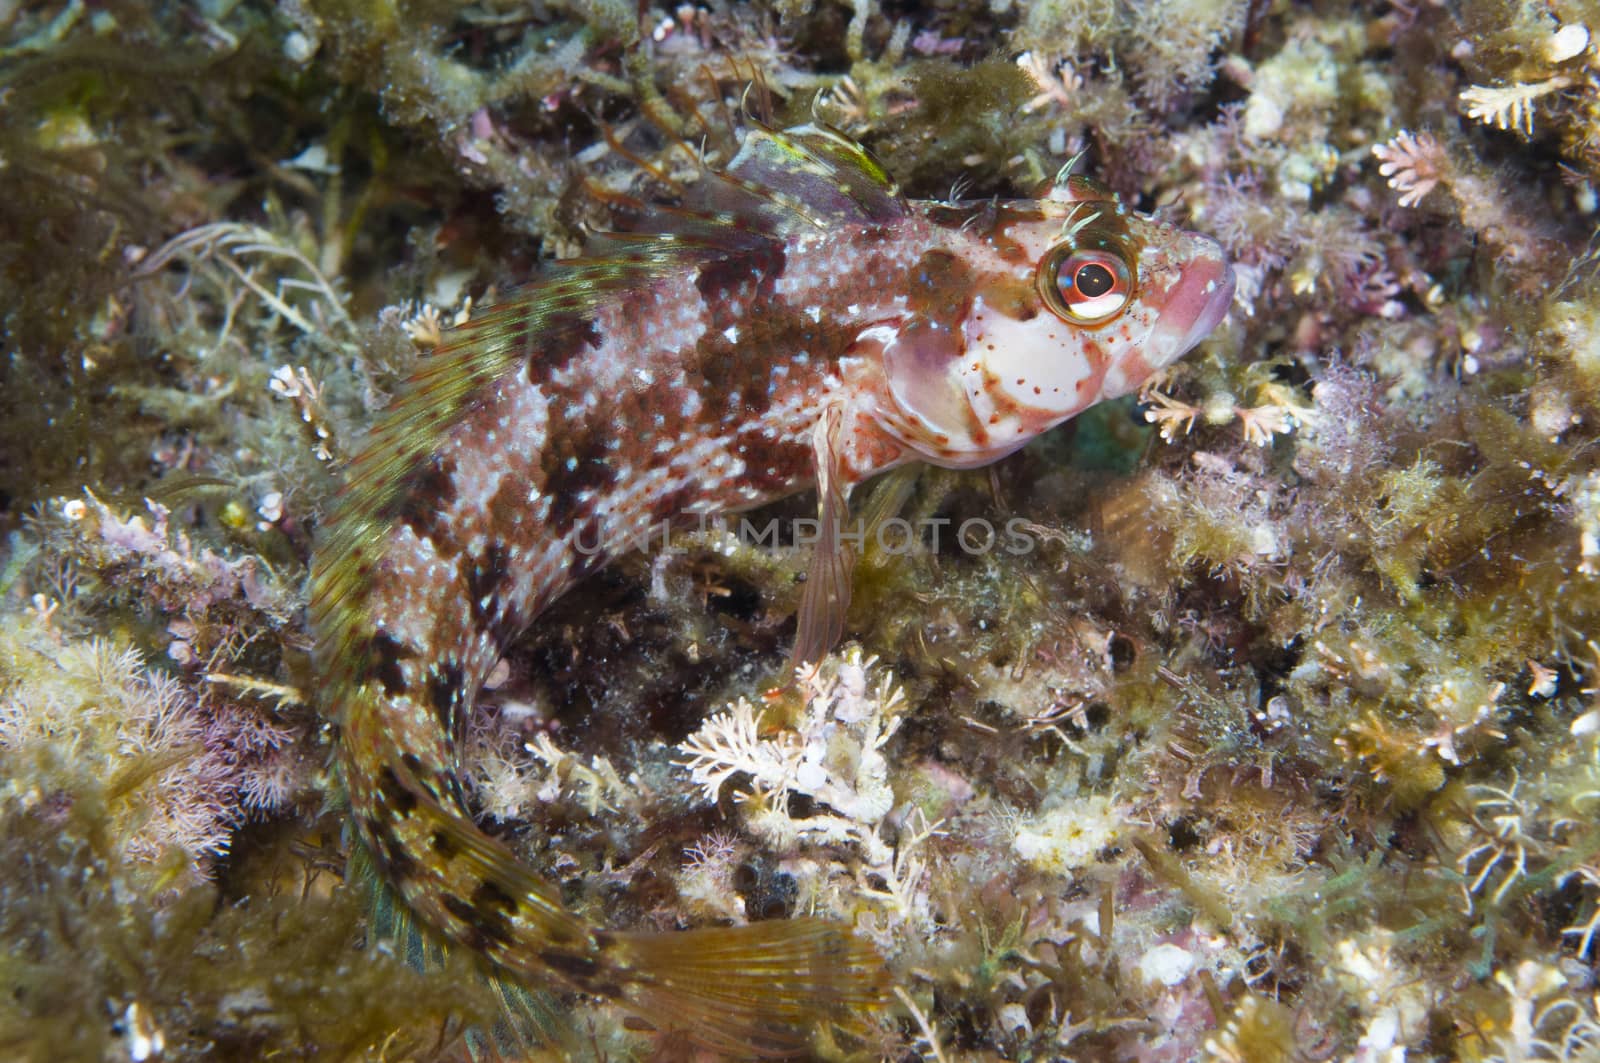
(1256, 718)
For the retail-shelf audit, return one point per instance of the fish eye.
(1085, 286)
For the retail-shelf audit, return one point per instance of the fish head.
(1047, 307)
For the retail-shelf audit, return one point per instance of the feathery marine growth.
(788, 322)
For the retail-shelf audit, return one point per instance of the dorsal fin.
(779, 182)
(809, 174)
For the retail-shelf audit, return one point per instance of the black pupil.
(1093, 280)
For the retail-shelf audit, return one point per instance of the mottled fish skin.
(801, 337)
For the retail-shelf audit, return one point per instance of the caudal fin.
(765, 989)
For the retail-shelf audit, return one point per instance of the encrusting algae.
(791, 321)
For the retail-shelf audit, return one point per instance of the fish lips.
(1194, 307)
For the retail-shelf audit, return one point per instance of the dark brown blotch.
(576, 459)
(735, 379)
(508, 506)
(435, 783)
(490, 897)
(579, 968)
(721, 279)
(486, 927)
(387, 653)
(556, 341)
(487, 577)
(939, 286)
(394, 860)
(445, 694)
(397, 796)
(426, 494)
(1008, 295)
(577, 330)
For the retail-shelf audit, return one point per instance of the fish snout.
(1194, 306)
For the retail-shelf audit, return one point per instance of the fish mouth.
(1195, 306)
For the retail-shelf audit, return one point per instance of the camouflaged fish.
(792, 322)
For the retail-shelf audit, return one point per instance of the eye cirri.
(1086, 286)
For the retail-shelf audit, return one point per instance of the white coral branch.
(1509, 106)
(729, 743)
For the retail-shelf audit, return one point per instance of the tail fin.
(767, 988)
(531, 1023)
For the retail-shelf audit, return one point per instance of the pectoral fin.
(826, 597)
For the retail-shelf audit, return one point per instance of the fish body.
(792, 323)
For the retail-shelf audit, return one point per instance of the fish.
(787, 321)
